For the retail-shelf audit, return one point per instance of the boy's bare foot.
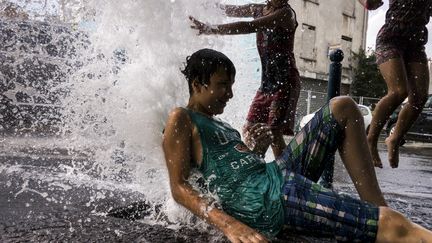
(373, 147)
(393, 152)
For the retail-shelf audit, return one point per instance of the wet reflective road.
(42, 200)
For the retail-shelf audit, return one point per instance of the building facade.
(430, 76)
(325, 25)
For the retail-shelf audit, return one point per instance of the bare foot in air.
(393, 152)
(373, 147)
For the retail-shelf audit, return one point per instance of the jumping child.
(401, 58)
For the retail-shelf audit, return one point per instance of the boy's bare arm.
(283, 18)
(239, 11)
(177, 147)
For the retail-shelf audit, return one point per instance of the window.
(349, 7)
(346, 45)
(308, 50)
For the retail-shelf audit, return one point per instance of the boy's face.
(213, 97)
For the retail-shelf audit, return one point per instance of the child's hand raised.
(201, 27)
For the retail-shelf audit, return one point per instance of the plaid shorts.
(311, 208)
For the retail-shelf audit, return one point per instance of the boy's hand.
(258, 137)
(239, 232)
(373, 4)
(201, 27)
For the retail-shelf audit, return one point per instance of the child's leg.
(394, 227)
(312, 208)
(418, 86)
(282, 114)
(337, 125)
(354, 150)
(312, 147)
(315, 210)
(395, 76)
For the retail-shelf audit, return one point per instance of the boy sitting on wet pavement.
(257, 201)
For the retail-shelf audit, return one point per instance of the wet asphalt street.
(407, 188)
(37, 206)
(41, 201)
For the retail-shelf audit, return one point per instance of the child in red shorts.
(276, 100)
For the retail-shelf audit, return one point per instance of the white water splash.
(120, 103)
(125, 82)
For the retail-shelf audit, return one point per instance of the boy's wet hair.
(203, 63)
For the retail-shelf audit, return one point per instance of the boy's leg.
(313, 146)
(337, 125)
(311, 207)
(315, 210)
(418, 86)
(354, 150)
(394, 227)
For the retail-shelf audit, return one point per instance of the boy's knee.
(398, 95)
(343, 106)
(418, 100)
(344, 101)
(392, 224)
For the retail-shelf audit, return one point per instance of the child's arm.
(239, 11)
(283, 17)
(371, 4)
(177, 147)
(278, 143)
(258, 138)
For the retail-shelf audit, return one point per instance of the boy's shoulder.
(178, 113)
(178, 122)
(178, 110)
(179, 116)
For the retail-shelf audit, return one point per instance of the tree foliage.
(367, 80)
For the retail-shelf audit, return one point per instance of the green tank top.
(248, 188)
